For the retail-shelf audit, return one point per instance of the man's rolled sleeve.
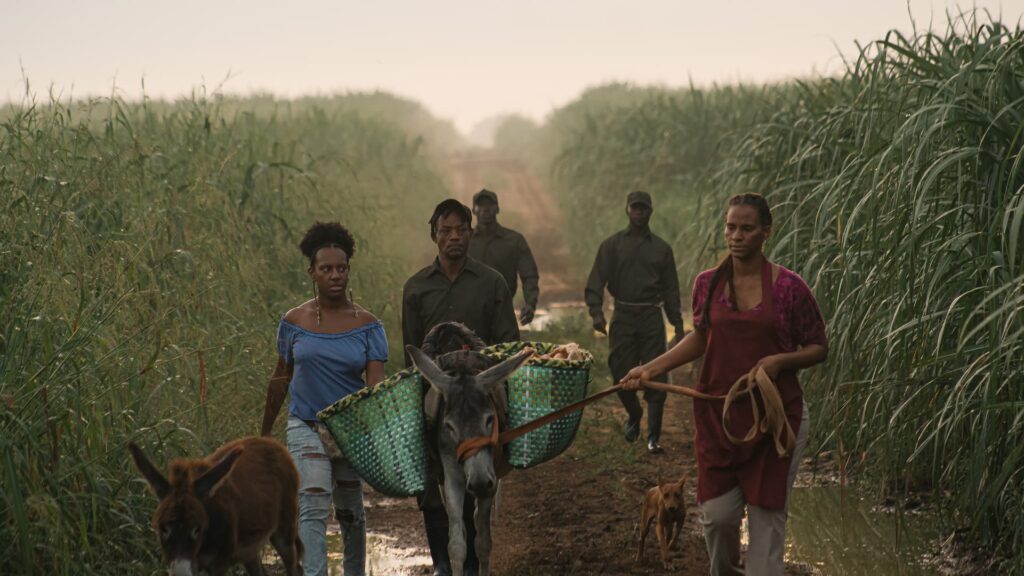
(412, 332)
(673, 305)
(593, 294)
(504, 327)
(528, 273)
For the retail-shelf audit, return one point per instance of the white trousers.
(721, 519)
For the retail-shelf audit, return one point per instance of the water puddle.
(862, 541)
(554, 313)
(574, 315)
(384, 555)
(387, 557)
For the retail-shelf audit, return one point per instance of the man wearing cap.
(640, 272)
(455, 287)
(504, 250)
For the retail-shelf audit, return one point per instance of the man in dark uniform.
(504, 250)
(640, 272)
(455, 287)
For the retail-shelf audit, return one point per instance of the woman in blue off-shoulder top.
(328, 348)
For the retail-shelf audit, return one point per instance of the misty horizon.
(464, 62)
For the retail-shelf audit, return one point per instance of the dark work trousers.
(636, 336)
(435, 523)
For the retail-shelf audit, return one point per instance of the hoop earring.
(316, 298)
(352, 303)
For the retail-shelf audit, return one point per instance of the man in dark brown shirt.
(455, 287)
(640, 272)
(506, 251)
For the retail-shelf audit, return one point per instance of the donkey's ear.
(430, 371)
(208, 483)
(497, 374)
(156, 480)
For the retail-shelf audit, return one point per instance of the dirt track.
(527, 207)
(576, 514)
(579, 514)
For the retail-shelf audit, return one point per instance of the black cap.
(484, 193)
(639, 197)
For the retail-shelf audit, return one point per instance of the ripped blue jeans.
(320, 479)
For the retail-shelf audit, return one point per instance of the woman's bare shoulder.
(365, 316)
(301, 315)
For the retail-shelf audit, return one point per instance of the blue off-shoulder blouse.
(327, 367)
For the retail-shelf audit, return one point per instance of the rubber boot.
(635, 412)
(654, 414)
(435, 523)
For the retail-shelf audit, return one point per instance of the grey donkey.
(468, 412)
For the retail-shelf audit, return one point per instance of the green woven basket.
(539, 388)
(380, 431)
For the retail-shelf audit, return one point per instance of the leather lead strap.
(774, 420)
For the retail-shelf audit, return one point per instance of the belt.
(637, 304)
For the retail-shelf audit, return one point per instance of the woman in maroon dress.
(747, 312)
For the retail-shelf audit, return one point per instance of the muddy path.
(579, 514)
(576, 514)
(527, 207)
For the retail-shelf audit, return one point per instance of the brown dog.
(665, 505)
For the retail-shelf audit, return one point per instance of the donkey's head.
(469, 411)
(180, 518)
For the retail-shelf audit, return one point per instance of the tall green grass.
(620, 138)
(146, 253)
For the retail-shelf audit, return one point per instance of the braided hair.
(326, 235)
(724, 268)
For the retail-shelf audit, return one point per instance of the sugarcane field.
(512, 289)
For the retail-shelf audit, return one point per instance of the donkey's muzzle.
(182, 567)
(481, 486)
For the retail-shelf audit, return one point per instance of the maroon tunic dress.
(786, 318)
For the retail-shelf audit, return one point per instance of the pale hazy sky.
(465, 60)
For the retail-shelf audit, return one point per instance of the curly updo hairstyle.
(326, 235)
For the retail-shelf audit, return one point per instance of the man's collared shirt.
(507, 252)
(638, 268)
(478, 298)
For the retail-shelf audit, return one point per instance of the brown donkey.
(221, 510)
